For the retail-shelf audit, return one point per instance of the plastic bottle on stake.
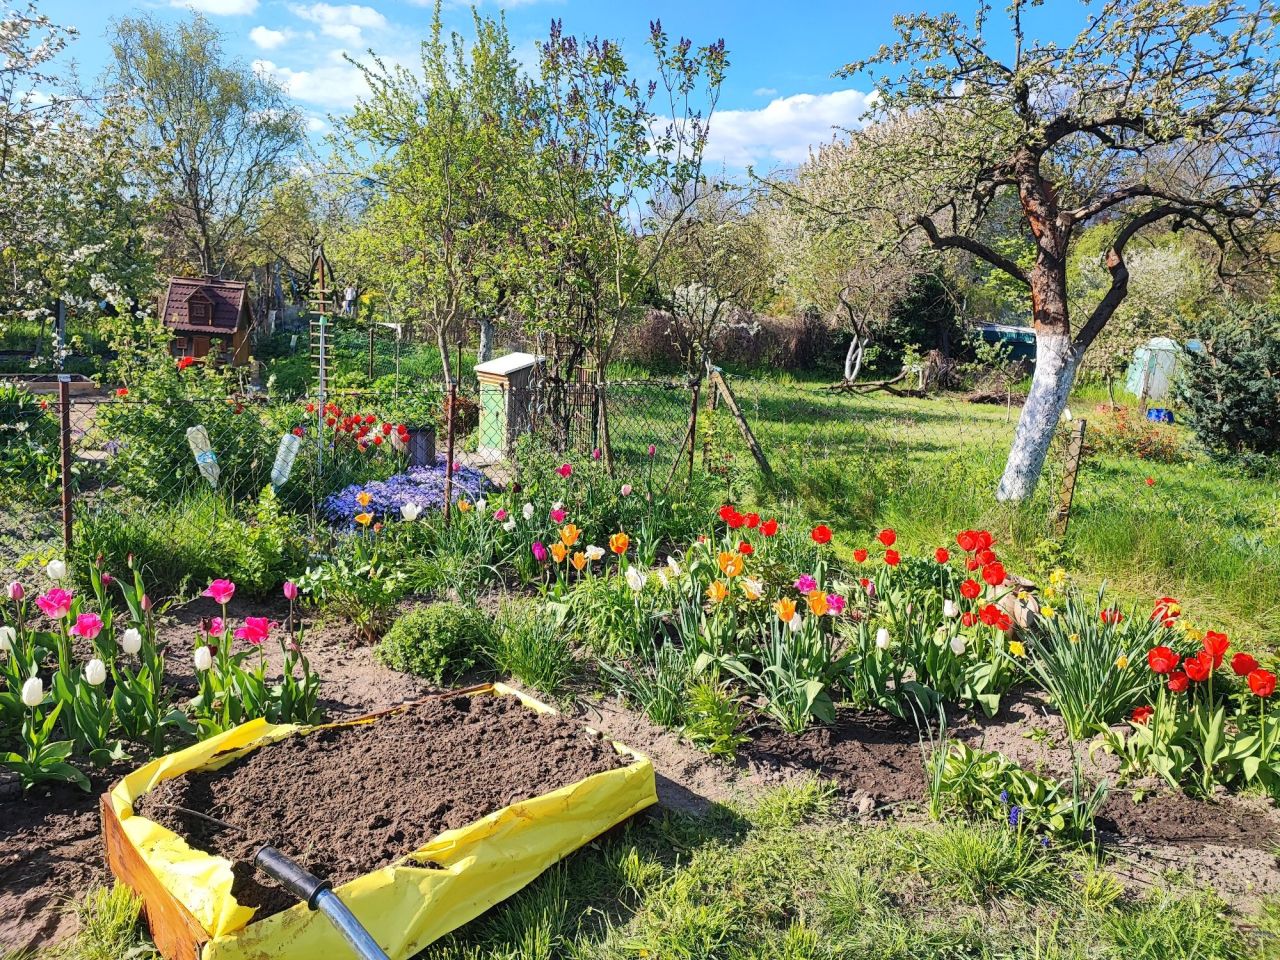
(286, 453)
(202, 450)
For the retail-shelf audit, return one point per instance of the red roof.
(229, 298)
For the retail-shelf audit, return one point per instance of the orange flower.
(619, 542)
(717, 591)
(364, 519)
(786, 609)
(363, 498)
(464, 505)
(731, 564)
(559, 551)
(569, 534)
(817, 602)
(751, 589)
(579, 561)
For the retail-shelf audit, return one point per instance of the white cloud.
(783, 131)
(345, 22)
(764, 92)
(316, 125)
(333, 83)
(267, 39)
(219, 7)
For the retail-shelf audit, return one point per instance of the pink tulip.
(255, 630)
(557, 516)
(107, 579)
(835, 603)
(145, 603)
(55, 604)
(290, 590)
(595, 454)
(564, 470)
(221, 591)
(626, 489)
(652, 449)
(16, 592)
(87, 625)
(500, 515)
(216, 627)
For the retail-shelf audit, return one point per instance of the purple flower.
(423, 486)
(806, 583)
(539, 551)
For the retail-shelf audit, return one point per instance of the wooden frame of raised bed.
(405, 906)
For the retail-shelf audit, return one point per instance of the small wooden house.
(209, 318)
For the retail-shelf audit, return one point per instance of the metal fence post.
(1075, 453)
(64, 410)
(450, 413)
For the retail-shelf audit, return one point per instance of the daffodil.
(1122, 661)
(1017, 649)
(1058, 577)
(1048, 612)
(1074, 638)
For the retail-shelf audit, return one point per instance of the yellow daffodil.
(1074, 638)
(731, 564)
(464, 505)
(364, 497)
(786, 609)
(1122, 661)
(717, 591)
(1048, 612)
(569, 534)
(1058, 577)
(1017, 649)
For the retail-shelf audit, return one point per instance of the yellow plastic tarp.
(404, 906)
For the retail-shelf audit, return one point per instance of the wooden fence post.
(1075, 453)
(64, 411)
(752, 444)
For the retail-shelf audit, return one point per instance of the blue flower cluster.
(421, 485)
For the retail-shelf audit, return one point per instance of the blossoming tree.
(1158, 113)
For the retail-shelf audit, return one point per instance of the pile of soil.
(346, 801)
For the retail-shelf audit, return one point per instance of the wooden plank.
(752, 444)
(177, 934)
(1075, 453)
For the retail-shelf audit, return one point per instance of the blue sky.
(779, 96)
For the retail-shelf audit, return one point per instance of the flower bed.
(419, 488)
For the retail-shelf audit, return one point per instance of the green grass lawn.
(1202, 531)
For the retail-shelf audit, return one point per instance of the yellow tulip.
(731, 564)
(579, 561)
(464, 505)
(786, 609)
(559, 551)
(363, 498)
(364, 519)
(569, 534)
(717, 591)
(817, 602)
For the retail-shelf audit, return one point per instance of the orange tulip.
(717, 591)
(559, 551)
(731, 564)
(786, 609)
(619, 542)
(817, 602)
(364, 519)
(569, 534)
(579, 561)
(363, 498)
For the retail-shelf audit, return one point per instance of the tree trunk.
(1056, 363)
(485, 350)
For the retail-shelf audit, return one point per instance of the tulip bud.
(626, 489)
(635, 579)
(882, 638)
(33, 692)
(56, 570)
(95, 672)
(290, 590)
(8, 637)
(16, 591)
(131, 641)
(795, 623)
(145, 604)
(409, 512)
(949, 609)
(957, 645)
(203, 658)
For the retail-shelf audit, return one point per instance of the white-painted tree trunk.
(1056, 363)
(485, 351)
(853, 359)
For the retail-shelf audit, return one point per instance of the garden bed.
(347, 800)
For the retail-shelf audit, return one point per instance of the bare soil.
(348, 800)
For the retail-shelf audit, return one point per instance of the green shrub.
(714, 718)
(436, 641)
(531, 645)
(1231, 389)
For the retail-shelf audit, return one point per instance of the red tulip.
(769, 527)
(887, 537)
(1262, 682)
(1162, 659)
(967, 540)
(1141, 714)
(736, 520)
(993, 573)
(1215, 645)
(860, 555)
(968, 618)
(820, 534)
(726, 512)
(972, 563)
(1198, 668)
(1151, 481)
(746, 549)
(892, 558)
(970, 589)
(941, 555)
(1111, 616)
(989, 614)
(1242, 664)
(1178, 682)
(985, 556)
(753, 520)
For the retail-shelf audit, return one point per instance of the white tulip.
(482, 505)
(957, 645)
(675, 567)
(635, 579)
(509, 525)
(95, 672)
(33, 692)
(882, 638)
(56, 570)
(8, 637)
(795, 623)
(949, 609)
(203, 658)
(595, 553)
(131, 641)
(410, 511)
(528, 511)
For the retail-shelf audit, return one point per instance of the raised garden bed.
(423, 817)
